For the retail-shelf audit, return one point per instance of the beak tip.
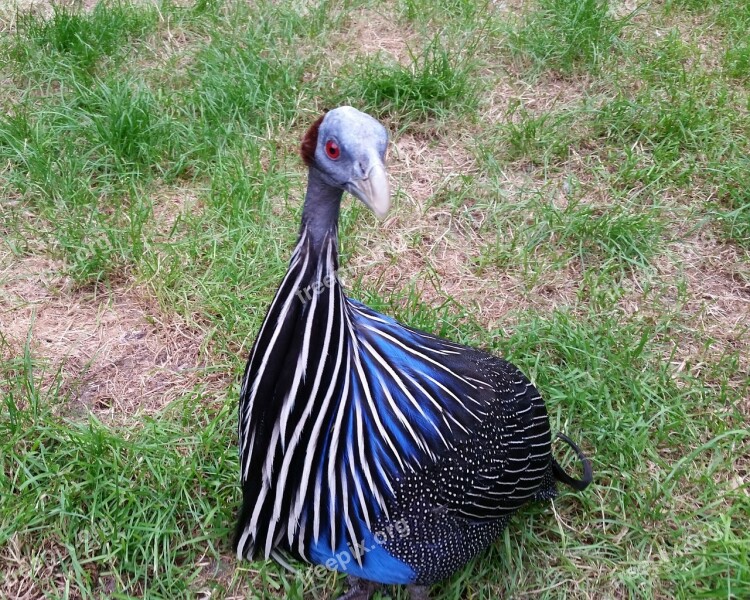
(375, 192)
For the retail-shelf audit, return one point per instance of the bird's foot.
(418, 592)
(359, 589)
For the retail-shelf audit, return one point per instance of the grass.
(571, 191)
(567, 35)
(435, 82)
(98, 483)
(80, 40)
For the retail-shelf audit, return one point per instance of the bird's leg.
(418, 592)
(359, 589)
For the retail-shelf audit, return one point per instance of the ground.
(570, 182)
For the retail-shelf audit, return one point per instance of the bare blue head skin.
(345, 151)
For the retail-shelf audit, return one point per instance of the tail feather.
(563, 477)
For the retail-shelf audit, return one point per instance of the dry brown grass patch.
(170, 203)
(223, 573)
(549, 93)
(442, 242)
(373, 31)
(32, 573)
(422, 165)
(10, 9)
(710, 282)
(114, 350)
(417, 238)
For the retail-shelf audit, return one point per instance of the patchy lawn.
(571, 186)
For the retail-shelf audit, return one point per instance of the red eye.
(332, 150)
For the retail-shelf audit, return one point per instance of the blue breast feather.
(377, 564)
(436, 413)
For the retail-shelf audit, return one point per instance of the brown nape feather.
(310, 142)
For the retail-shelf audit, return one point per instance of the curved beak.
(373, 189)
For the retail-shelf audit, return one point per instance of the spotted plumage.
(365, 445)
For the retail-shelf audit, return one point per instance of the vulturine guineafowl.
(366, 445)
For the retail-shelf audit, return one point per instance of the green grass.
(466, 11)
(80, 41)
(436, 81)
(567, 35)
(571, 191)
(98, 484)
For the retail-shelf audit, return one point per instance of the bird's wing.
(427, 392)
(468, 419)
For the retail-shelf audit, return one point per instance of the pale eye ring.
(332, 150)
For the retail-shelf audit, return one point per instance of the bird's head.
(347, 147)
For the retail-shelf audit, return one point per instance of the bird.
(367, 446)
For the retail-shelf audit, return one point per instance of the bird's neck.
(320, 213)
